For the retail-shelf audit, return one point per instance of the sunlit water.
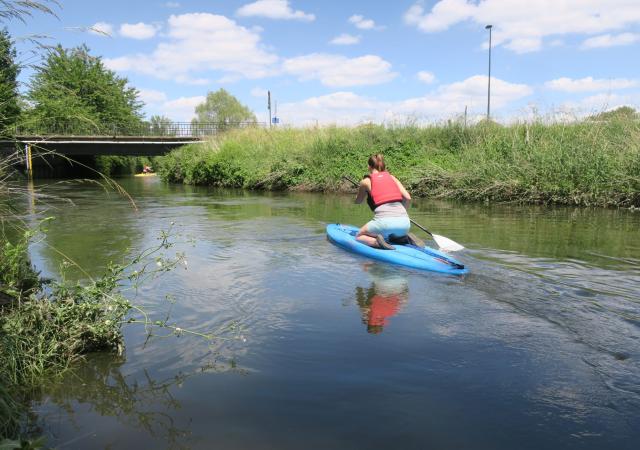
(538, 347)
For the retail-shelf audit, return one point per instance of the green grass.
(586, 163)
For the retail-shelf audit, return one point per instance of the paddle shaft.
(412, 221)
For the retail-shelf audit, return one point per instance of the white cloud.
(138, 30)
(472, 92)
(259, 92)
(201, 42)
(101, 29)
(344, 108)
(345, 39)
(522, 26)
(594, 104)
(589, 84)
(181, 109)
(611, 40)
(426, 77)
(274, 9)
(151, 96)
(606, 102)
(364, 24)
(172, 5)
(444, 14)
(340, 71)
(348, 108)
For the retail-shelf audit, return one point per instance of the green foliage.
(224, 109)
(18, 279)
(161, 126)
(121, 165)
(582, 163)
(9, 70)
(42, 334)
(73, 92)
(45, 336)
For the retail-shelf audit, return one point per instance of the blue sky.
(349, 62)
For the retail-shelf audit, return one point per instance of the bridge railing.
(169, 129)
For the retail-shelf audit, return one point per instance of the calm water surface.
(538, 347)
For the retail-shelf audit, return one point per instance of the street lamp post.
(488, 27)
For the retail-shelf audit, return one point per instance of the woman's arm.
(406, 197)
(363, 190)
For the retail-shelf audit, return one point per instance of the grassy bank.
(43, 331)
(586, 163)
(46, 326)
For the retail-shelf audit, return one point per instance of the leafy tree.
(74, 92)
(224, 109)
(161, 126)
(9, 70)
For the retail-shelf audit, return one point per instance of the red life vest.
(384, 189)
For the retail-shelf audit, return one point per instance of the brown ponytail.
(377, 162)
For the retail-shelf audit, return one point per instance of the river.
(538, 347)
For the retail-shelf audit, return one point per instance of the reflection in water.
(388, 292)
(98, 390)
(144, 404)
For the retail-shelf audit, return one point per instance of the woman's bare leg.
(367, 238)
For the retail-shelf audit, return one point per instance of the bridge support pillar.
(28, 160)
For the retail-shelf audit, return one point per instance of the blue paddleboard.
(421, 258)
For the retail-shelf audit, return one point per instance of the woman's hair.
(377, 162)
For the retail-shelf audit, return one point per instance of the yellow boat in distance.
(151, 174)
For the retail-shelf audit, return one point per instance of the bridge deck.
(102, 145)
(109, 139)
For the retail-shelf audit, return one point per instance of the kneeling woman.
(388, 198)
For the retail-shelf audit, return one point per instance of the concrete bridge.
(101, 145)
(143, 139)
(75, 141)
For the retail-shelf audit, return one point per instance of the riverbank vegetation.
(48, 325)
(592, 162)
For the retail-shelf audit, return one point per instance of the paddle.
(444, 243)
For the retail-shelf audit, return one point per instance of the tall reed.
(585, 163)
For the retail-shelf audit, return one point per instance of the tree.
(224, 109)
(9, 70)
(161, 126)
(73, 92)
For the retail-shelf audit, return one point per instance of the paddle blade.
(446, 244)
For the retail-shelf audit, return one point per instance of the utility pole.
(269, 106)
(489, 27)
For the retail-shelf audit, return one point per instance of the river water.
(538, 347)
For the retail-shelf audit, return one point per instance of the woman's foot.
(415, 240)
(384, 245)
